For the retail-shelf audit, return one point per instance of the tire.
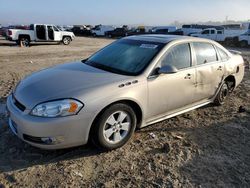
(108, 132)
(66, 40)
(222, 95)
(243, 44)
(24, 42)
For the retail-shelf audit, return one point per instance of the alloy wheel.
(117, 127)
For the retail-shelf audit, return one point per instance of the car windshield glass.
(126, 56)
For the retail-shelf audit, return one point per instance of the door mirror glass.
(167, 69)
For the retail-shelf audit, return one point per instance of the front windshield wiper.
(105, 68)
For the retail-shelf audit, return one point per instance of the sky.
(118, 12)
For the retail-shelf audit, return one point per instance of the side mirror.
(167, 69)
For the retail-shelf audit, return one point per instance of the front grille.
(18, 104)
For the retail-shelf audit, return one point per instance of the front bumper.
(49, 133)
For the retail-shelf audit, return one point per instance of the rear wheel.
(66, 40)
(114, 127)
(24, 42)
(222, 95)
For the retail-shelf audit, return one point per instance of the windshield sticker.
(149, 46)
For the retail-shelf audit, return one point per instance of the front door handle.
(188, 76)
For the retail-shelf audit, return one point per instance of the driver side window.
(178, 56)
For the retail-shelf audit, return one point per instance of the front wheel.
(66, 40)
(222, 95)
(114, 127)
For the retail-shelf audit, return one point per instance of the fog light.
(48, 140)
(52, 140)
(44, 140)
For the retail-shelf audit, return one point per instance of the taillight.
(9, 32)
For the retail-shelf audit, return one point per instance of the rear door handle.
(188, 76)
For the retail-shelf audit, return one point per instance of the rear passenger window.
(223, 54)
(178, 56)
(205, 53)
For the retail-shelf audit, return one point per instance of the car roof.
(164, 38)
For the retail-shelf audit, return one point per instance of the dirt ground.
(207, 147)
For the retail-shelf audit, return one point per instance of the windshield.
(128, 57)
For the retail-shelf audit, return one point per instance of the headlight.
(57, 108)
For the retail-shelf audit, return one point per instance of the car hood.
(63, 81)
(67, 33)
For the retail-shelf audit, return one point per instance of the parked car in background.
(64, 27)
(159, 31)
(137, 31)
(163, 29)
(99, 30)
(82, 30)
(193, 28)
(134, 82)
(177, 32)
(4, 30)
(220, 35)
(117, 32)
(39, 33)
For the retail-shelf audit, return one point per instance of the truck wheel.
(24, 42)
(243, 44)
(66, 40)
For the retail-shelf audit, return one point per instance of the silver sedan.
(134, 82)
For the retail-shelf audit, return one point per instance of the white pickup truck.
(39, 33)
(222, 35)
(244, 39)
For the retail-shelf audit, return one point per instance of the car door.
(169, 92)
(40, 32)
(209, 70)
(50, 32)
(57, 34)
(213, 34)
